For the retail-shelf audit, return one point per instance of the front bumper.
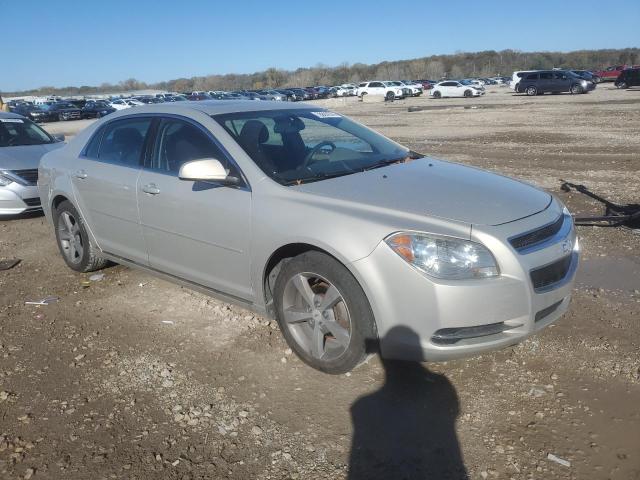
(417, 316)
(16, 199)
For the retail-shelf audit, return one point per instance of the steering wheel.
(316, 149)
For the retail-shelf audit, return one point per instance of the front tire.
(73, 241)
(390, 96)
(468, 94)
(576, 89)
(622, 85)
(323, 313)
(437, 94)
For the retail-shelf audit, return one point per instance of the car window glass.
(178, 142)
(123, 141)
(91, 150)
(532, 76)
(545, 76)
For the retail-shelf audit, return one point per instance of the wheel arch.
(285, 252)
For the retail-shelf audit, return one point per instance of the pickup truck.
(609, 74)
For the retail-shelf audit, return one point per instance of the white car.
(479, 84)
(386, 89)
(339, 91)
(453, 88)
(123, 103)
(416, 88)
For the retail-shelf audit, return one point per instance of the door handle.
(81, 174)
(151, 189)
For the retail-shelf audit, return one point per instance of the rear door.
(546, 82)
(105, 186)
(198, 231)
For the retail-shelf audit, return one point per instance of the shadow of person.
(406, 429)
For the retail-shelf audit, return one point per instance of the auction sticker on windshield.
(326, 115)
(11, 120)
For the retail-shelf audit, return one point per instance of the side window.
(532, 76)
(123, 141)
(178, 142)
(314, 131)
(91, 150)
(375, 84)
(546, 76)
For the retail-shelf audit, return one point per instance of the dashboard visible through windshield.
(298, 145)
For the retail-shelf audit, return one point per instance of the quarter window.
(178, 142)
(123, 141)
(91, 150)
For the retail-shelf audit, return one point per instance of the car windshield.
(18, 131)
(296, 146)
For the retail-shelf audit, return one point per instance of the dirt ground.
(130, 377)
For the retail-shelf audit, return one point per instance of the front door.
(194, 230)
(105, 186)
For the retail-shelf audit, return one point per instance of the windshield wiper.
(318, 177)
(384, 163)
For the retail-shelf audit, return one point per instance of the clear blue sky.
(86, 42)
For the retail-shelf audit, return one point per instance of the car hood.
(24, 156)
(439, 189)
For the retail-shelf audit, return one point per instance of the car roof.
(10, 115)
(215, 107)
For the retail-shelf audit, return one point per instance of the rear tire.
(332, 339)
(73, 241)
(531, 91)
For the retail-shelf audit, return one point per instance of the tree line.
(436, 67)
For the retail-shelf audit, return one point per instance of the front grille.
(545, 312)
(550, 274)
(529, 239)
(29, 176)
(32, 202)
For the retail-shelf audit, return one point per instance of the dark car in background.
(65, 111)
(628, 78)
(587, 75)
(96, 109)
(553, 81)
(35, 113)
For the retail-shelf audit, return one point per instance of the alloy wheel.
(70, 237)
(317, 316)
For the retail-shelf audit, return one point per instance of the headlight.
(444, 257)
(4, 181)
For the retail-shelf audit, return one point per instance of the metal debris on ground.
(9, 264)
(559, 460)
(614, 215)
(44, 301)
(96, 277)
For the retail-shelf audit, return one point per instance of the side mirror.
(206, 170)
(59, 137)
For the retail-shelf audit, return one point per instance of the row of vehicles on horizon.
(530, 82)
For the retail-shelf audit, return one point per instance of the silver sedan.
(301, 214)
(22, 143)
